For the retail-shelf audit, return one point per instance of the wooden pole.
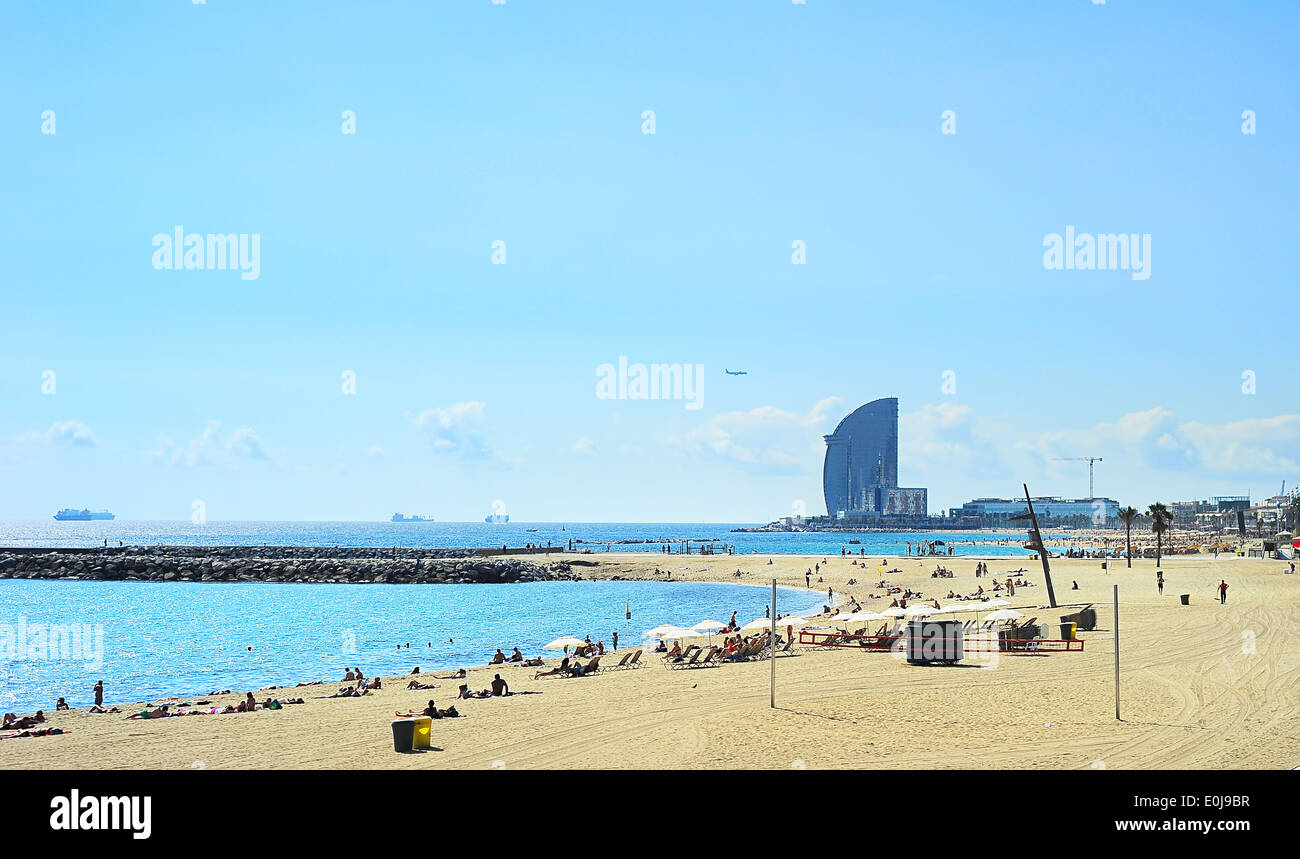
(1117, 652)
(772, 659)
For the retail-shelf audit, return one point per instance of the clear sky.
(524, 123)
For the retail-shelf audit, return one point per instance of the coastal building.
(996, 512)
(860, 474)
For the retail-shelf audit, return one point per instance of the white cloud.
(584, 446)
(460, 430)
(212, 447)
(62, 433)
(765, 439)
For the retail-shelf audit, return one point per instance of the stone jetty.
(276, 564)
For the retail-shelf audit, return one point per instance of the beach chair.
(590, 668)
(788, 650)
(629, 660)
(695, 655)
(706, 661)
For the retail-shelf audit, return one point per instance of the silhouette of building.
(860, 475)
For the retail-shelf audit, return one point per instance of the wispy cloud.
(762, 440)
(63, 434)
(212, 447)
(460, 431)
(583, 446)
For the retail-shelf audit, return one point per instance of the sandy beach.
(1203, 686)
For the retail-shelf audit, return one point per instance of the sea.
(148, 640)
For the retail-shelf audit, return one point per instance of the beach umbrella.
(796, 622)
(1003, 614)
(654, 633)
(865, 615)
(844, 615)
(919, 611)
(565, 641)
(994, 603)
(677, 632)
(894, 611)
(709, 626)
(757, 624)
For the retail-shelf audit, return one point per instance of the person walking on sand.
(1223, 591)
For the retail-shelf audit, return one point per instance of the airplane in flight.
(735, 372)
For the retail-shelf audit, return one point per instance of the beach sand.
(1203, 686)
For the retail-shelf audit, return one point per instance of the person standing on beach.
(99, 693)
(1160, 583)
(616, 639)
(1223, 591)
(807, 578)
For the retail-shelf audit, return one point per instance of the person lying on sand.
(465, 694)
(96, 708)
(431, 711)
(19, 724)
(159, 713)
(533, 663)
(311, 683)
(458, 674)
(416, 684)
(562, 668)
(346, 692)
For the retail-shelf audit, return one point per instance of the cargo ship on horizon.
(68, 514)
(402, 517)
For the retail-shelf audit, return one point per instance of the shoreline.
(1193, 698)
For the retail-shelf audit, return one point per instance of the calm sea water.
(163, 638)
(480, 534)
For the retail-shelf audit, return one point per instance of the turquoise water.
(163, 638)
(479, 534)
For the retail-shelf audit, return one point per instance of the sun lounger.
(788, 650)
(629, 660)
(590, 668)
(695, 655)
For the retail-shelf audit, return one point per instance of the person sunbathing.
(377, 683)
(562, 668)
(61, 704)
(431, 711)
(465, 694)
(416, 684)
(675, 653)
(499, 687)
(498, 657)
(347, 678)
(533, 663)
(516, 655)
(158, 713)
(458, 674)
(311, 683)
(347, 692)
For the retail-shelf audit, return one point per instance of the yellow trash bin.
(423, 732)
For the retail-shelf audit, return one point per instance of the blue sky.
(523, 123)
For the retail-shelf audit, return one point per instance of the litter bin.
(1185, 599)
(1067, 630)
(423, 732)
(403, 735)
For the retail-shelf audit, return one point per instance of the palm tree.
(1160, 519)
(1127, 515)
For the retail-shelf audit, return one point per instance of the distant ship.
(497, 518)
(67, 514)
(402, 517)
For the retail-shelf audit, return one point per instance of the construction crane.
(1088, 459)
